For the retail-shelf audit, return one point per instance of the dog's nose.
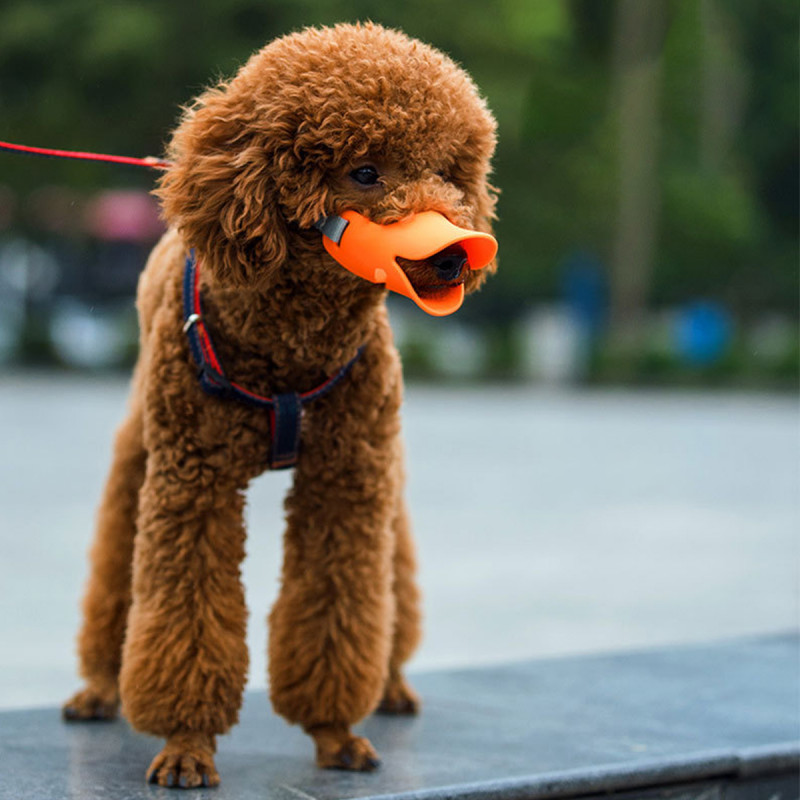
(449, 262)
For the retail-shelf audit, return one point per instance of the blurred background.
(648, 162)
(637, 354)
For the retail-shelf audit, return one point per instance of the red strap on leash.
(148, 161)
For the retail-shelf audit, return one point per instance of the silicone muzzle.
(370, 251)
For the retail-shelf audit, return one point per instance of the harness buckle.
(285, 419)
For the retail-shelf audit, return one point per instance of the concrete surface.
(548, 523)
(708, 722)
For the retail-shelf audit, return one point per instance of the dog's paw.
(89, 705)
(399, 698)
(337, 748)
(356, 753)
(183, 768)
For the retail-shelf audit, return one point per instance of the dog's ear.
(485, 201)
(220, 191)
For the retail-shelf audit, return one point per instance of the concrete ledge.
(711, 722)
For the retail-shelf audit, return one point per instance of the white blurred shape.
(86, 337)
(554, 346)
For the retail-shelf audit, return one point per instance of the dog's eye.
(366, 176)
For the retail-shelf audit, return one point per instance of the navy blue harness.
(285, 410)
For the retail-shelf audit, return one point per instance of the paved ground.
(547, 523)
(721, 721)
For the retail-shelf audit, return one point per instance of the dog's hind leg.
(398, 696)
(107, 597)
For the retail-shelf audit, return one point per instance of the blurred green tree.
(86, 74)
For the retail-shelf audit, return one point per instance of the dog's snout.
(449, 263)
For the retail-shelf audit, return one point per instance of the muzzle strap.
(333, 227)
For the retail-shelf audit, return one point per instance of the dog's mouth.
(434, 276)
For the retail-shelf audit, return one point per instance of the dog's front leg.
(185, 658)
(331, 627)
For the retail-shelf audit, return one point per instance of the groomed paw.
(399, 698)
(89, 705)
(181, 770)
(355, 753)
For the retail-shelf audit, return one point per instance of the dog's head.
(354, 117)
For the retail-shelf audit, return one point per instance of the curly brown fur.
(256, 161)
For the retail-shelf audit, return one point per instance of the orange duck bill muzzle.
(371, 251)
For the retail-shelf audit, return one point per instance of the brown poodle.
(350, 117)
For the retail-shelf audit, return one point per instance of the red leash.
(148, 161)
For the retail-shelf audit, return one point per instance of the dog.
(241, 301)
